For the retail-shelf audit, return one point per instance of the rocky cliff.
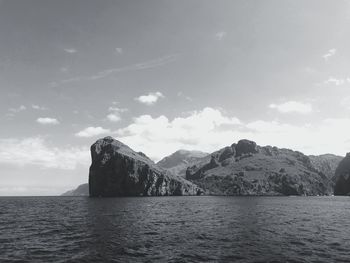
(248, 169)
(117, 170)
(326, 163)
(342, 177)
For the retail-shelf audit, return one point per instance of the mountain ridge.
(240, 159)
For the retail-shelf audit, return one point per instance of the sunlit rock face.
(117, 170)
(342, 177)
(178, 161)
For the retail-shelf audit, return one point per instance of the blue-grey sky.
(165, 75)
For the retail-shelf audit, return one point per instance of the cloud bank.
(36, 151)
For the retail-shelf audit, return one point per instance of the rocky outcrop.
(248, 169)
(117, 170)
(81, 190)
(342, 177)
(245, 147)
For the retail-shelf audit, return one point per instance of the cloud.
(18, 109)
(38, 107)
(36, 151)
(220, 35)
(13, 111)
(292, 107)
(114, 114)
(47, 121)
(154, 63)
(71, 50)
(210, 129)
(113, 117)
(201, 130)
(150, 99)
(335, 81)
(119, 50)
(329, 54)
(91, 132)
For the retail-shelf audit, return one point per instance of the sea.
(175, 229)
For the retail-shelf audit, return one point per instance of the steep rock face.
(117, 170)
(342, 175)
(178, 162)
(327, 164)
(249, 169)
(81, 190)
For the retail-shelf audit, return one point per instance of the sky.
(166, 75)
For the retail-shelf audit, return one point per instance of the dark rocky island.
(342, 177)
(117, 170)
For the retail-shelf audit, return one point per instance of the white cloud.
(204, 130)
(329, 54)
(150, 99)
(47, 121)
(221, 35)
(71, 50)
(210, 129)
(35, 151)
(113, 117)
(119, 50)
(292, 107)
(114, 114)
(335, 81)
(92, 131)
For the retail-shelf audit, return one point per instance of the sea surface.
(175, 229)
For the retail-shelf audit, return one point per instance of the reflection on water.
(175, 229)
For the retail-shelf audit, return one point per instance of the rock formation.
(326, 163)
(342, 177)
(117, 170)
(248, 169)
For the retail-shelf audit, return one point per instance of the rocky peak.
(246, 147)
(117, 170)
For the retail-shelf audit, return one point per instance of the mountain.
(81, 190)
(178, 162)
(248, 169)
(326, 163)
(342, 177)
(117, 170)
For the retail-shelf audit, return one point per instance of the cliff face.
(248, 169)
(327, 164)
(117, 170)
(342, 177)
